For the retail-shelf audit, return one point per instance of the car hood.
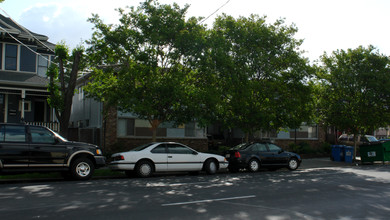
(292, 154)
(81, 144)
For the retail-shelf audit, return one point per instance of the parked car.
(253, 156)
(27, 148)
(349, 139)
(165, 156)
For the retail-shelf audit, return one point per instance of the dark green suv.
(28, 148)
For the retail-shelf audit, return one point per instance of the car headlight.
(98, 152)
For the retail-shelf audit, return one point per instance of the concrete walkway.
(325, 162)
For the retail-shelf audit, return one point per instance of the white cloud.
(58, 23)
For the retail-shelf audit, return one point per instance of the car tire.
(144, 169)
(82, 169)
(211, 166)
(293, 164)
(253, 165)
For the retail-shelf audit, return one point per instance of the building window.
(28, 59)
(189, 129)
(305, 131)
(11, 55)
(27, 106)
(126, 127)
(43, 65)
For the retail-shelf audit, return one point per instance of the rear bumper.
(237, 163)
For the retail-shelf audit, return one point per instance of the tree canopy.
(262, 73)
(355, 90)
(144, 63)
(243, 73)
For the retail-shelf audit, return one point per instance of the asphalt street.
(320, 189)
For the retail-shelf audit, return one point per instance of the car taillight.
(237, 154)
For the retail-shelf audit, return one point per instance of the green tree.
(355, 90)
(63, 82)
(262, 74)
(146, 63)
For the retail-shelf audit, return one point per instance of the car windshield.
(58, 136)
(139, 148)
(371, 138)
(242, 146)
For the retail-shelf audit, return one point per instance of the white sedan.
(165, 156)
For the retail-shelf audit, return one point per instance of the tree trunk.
(67, 94)
(154, 123)
(355, 143)
(247, 137)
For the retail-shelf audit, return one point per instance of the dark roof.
(8, 26)
(22, 79)
(7, 23)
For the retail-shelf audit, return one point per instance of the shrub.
(301, 148)
(326, 148)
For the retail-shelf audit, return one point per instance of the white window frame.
(28, 103)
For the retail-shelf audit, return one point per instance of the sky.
(324, 25)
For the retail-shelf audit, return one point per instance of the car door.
(46, 150)
(262, 153)
(182, 158)
(14, 148)
(278, 157)
(159, 156)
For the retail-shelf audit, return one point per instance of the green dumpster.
(373, 152)
(386, 148)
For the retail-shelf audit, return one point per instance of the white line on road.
(208, 200)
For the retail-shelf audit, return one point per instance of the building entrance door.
(39, 111)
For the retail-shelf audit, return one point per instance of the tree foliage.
(262, 76)
(355, 90)
(63, 82)
(146, 62)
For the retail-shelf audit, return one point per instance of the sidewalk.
(325, 162)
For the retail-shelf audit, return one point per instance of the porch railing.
(55, 126)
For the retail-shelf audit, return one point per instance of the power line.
(27, 31)
(214, 12)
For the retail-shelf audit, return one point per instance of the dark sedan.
(253, 156)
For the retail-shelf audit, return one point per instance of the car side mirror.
(194, 153)
(281, 151)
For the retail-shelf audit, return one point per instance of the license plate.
(227, 156)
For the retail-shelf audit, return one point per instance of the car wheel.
(253, 165)
(211, 166)
(144, 169)
(292, 164)
(82, 169)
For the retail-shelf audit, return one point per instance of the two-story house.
(24, 59)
